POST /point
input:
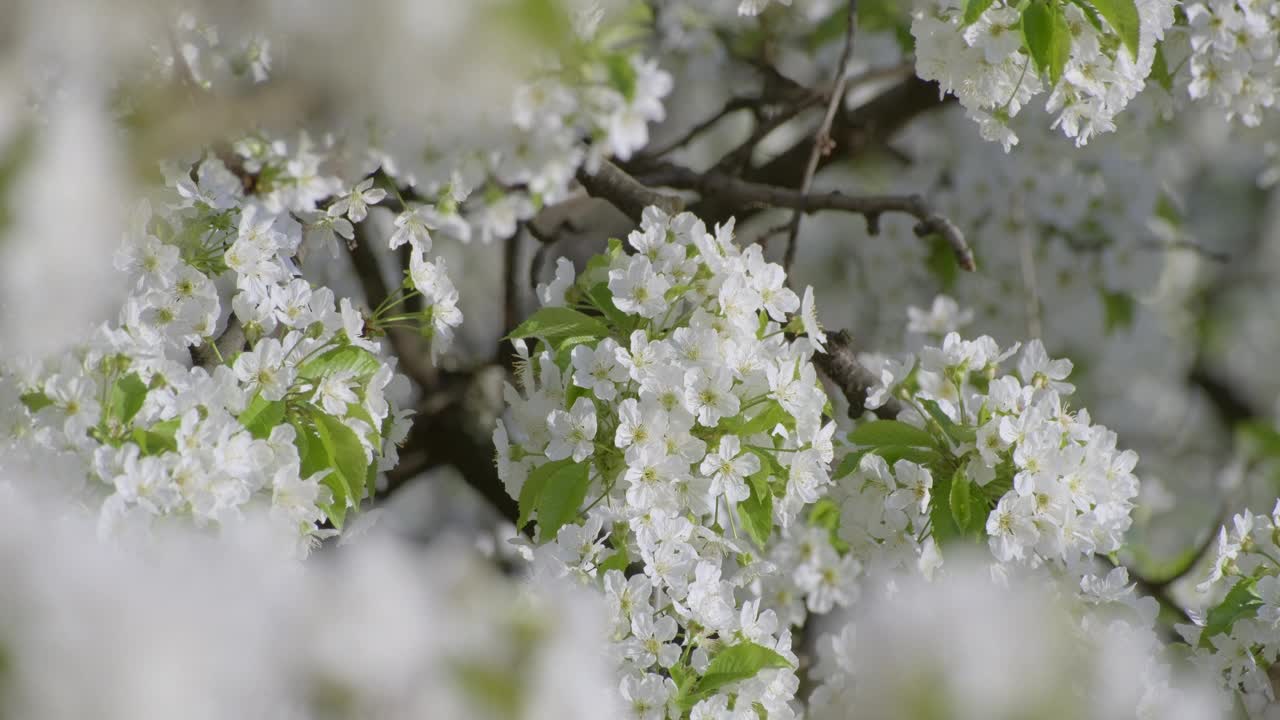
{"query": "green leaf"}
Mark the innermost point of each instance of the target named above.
(326, 443)
(1122, 16)
(1167, 210)
(941, 262)
(941, 521)
(1090, 14)
(359, 361)
(973, 10)
(1047, 37)
(622, 76)
(35, 401)
(531, 491)
(554, 324)
(1242, 601)
(756, 513)
(826, 514)
(917, 455)
(159, 438)
(769, 465)
(1258, 439)
(127, 395)
(603, 299)
(961, 509)
(735, 663)
(561, 497)
(771, 415)
(880, 433)
(949, 426)
(315, 458)
(848, 464)
(1160, 70)
(345, 451)
(619, 560)
(1118, 308)
(262, 415)
(551, 491)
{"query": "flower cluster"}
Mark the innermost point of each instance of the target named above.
(1235, 56)
(657, 439)
(595, 89)
(1238, 638)
(183, 410)
(1092, 59)
(977, 453)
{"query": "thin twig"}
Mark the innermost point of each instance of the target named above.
(822, 144)
(511, 298)
(413, 361)
(225, 346)
(731, 106)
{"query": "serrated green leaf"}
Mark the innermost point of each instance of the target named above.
(561, 497)
(941, 521)
(1242, 601)
(262, 415)
(961, 509)
(733, 664)
(1047, 37)
(346, 452)
(881, 433)
(360, 362)
(531, 493)
(314, 458)
(756, 513)
(973, 10)
(1122, 16)
(555, 324)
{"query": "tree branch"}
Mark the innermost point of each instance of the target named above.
(840, 364)
(728, 191)
(625, 193)
(455, 433)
